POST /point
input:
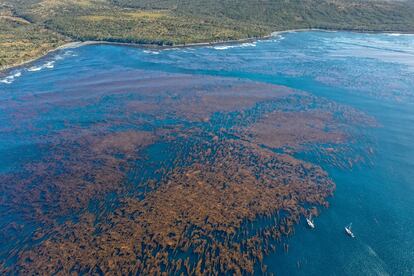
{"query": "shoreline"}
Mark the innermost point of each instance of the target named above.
(76, 44)
(68, 45)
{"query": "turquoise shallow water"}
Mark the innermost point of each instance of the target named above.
(371, 72)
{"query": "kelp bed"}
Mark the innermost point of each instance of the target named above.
(139, 172)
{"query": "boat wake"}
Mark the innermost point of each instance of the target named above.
(366, 261)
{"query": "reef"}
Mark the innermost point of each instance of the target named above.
(172, 176)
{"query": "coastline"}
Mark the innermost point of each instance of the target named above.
(68, 45)
(75, 44)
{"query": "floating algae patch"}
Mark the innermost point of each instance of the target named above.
(160, 172)
(206, 197)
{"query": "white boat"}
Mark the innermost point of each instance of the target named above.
(348, 230)
(310, 223)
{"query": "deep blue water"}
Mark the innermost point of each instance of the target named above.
(373, 73)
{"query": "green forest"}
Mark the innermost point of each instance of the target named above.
(29, 28)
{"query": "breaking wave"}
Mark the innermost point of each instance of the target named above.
(47, 65)
(398, 34)
(243, 45)
(35, 68)
(11, 78)
(152, 52)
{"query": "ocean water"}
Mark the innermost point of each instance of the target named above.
(373, 73)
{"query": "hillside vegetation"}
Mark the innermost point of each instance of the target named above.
(30, 27)
(21, 40)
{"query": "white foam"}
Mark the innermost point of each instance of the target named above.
(279, 37)
(274, 38)
(10, 79)
(68, 53)
(243, 45)
(34, 68)
(59, 57)
(252, 44)
(6, 81)
(398, 34)
(47, 65)
(222, 47)
(151, 52)
(395, 34)
(50, 64)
